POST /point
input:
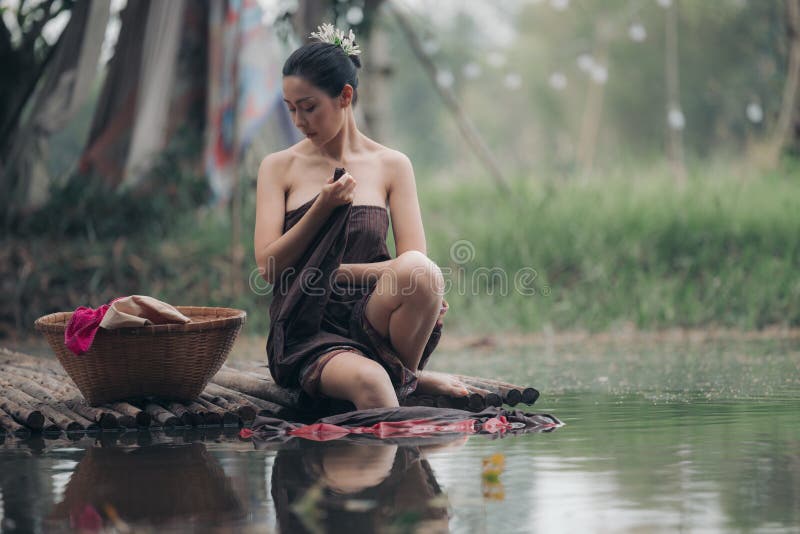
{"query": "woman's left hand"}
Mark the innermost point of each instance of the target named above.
(442, 312)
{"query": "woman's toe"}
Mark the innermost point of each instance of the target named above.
(459, 390)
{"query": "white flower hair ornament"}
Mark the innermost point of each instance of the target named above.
(327, 33)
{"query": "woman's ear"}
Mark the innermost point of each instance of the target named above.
(346, 96)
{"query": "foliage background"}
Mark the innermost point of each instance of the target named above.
(622, 244)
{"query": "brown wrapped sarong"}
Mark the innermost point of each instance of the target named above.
(312, 319)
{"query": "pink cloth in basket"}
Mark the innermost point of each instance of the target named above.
(134, 310)
(82, 327)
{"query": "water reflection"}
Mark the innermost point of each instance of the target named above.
(23, 488)
(157, 485)
(703, 441)
(346, 486)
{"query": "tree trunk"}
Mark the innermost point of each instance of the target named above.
(375, 79)
(672, 77)
(787, 129)
(309, 15)
(465, 125)
(593, 109)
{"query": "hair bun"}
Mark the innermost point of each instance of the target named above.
(356, 60)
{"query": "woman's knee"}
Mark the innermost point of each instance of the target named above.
(354, 377)
(418, 276)
(373, 387)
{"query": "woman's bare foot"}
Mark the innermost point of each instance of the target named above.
(433, 383)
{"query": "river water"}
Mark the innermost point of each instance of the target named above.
(660, 435)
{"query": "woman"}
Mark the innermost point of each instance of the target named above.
(364, 335)
(395, 479)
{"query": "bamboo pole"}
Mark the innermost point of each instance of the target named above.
(63, 390)
(475, 402)
(493, 399)
(73, 399)
(20, 411)
(41, 377)
(489, 398)
(40, 365)
(65, 419)
(45, 397)
(61, 420)
(161, 415)
(57, 420)
(509, 395)
(208, 417)
(260, 405)
(10, 426)
(69, 395)
(197, 419)
(528, 395)
(246, 412)
(459, 403)
(105, 419)
(259, 387)
(123, 421)
(76, 417)
(228, 418)
(143, 419)
(182, 412)
(51, 427)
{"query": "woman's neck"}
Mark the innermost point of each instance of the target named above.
(348, 141)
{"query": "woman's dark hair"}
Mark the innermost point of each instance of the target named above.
(326, 66)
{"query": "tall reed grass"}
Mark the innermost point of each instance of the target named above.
(631, 249)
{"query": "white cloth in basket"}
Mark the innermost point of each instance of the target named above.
(140, 310)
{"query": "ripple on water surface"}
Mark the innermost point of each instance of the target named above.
(662, 437)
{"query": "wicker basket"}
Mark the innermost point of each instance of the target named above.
(173, 361)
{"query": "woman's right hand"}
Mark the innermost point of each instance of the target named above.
(335, 194)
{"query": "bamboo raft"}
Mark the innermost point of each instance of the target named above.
(36, 395)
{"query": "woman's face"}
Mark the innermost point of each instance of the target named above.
(318, 116)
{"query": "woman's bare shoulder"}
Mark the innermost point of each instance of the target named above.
(393, 161)
(396, 166)
(278, 166)
(276, 162)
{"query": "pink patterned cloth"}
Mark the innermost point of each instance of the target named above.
(82, 327)
(401, 422)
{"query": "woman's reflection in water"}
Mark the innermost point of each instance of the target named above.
(358, 485)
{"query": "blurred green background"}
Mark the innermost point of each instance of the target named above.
(632, 163)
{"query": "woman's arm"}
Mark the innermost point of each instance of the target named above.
(404, 207)
(275, 251)
(361, 274)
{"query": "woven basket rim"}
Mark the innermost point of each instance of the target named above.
(218, 317)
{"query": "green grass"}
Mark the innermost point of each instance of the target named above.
(629, 249)
(625, 249)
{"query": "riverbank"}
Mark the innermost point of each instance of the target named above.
(251, 346)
